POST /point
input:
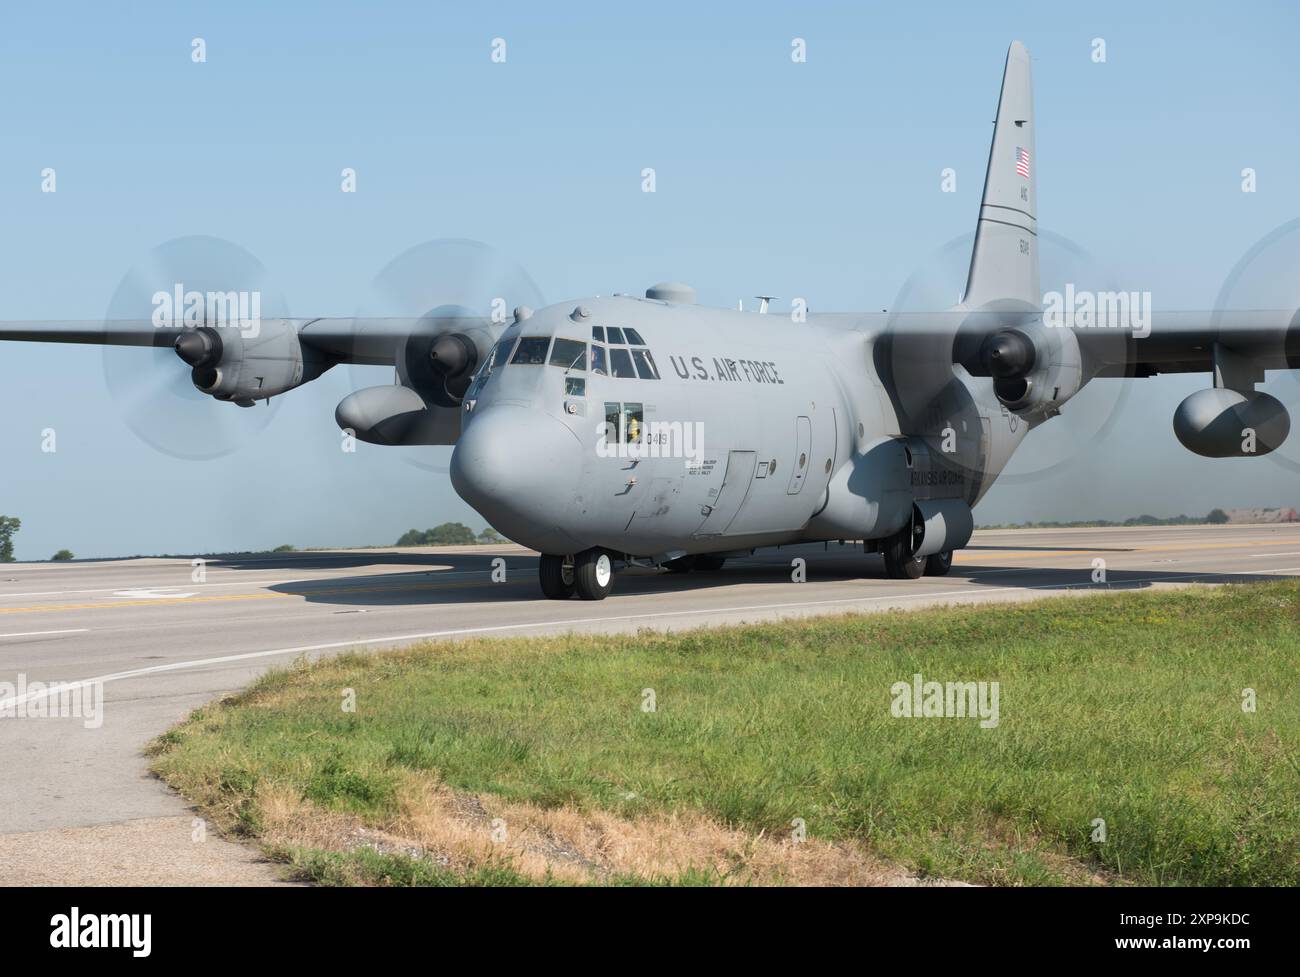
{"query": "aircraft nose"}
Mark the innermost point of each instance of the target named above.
(519, 469)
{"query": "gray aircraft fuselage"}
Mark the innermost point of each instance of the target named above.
(756, 420)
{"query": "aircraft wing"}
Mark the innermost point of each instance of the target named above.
(1184, 342)
(349, 339)
(1159, 342)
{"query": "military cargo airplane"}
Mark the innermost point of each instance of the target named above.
(652, 431)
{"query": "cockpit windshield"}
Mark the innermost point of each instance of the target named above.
(531, 351)
(570, 354)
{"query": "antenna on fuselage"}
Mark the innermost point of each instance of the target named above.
(762, 303)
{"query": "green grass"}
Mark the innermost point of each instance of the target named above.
(1121, 707)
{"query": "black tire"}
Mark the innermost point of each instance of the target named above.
(709, 564)
(593, 574)
(938, 564)
(683, 564)
(900, 564)
(556, 577)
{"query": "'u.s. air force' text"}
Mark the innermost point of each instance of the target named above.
(726, 369)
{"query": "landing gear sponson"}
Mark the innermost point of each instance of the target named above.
(926, 543)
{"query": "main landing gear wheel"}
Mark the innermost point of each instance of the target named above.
(593, 574)
(709, 564)
(557, 576)
(938, 564)
(900, 564)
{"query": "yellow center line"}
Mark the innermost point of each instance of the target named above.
(968, 555)
(266, 595)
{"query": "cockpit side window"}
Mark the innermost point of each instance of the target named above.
(645, 364)
(532, 350)
(598, 333)
(496, 360)
(569, 354)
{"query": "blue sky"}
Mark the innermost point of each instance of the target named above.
(819, 179)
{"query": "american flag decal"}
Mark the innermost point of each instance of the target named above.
(1022, 162)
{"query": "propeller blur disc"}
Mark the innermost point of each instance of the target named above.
(151, 386)
(1085, 420)
(437, 278)
(1267, 277)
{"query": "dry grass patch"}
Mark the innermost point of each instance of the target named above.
(465, 833)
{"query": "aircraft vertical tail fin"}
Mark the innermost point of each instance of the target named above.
(1004, 261)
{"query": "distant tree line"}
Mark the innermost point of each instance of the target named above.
(448, 534)
(9, 525)
(1215, 517)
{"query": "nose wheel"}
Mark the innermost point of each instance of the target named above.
(593, 574)
(589, 574)
(556, 576)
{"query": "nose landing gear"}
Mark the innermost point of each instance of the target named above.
(556, 576)
(589, 574)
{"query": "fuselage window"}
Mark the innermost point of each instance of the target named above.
(614, 334)
(645, 364)
(598, 333)
(633, 337)
(598, 361)
(569, 354)
(612, 422)
(620, 363)
(532, 350)
(633, 422)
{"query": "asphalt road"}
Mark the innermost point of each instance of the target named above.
(79, 805)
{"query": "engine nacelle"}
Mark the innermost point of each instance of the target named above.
(1034, 369)
(245, 365)
(440, 364)
(1222, 423)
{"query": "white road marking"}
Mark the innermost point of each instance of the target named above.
(247, 582)
(28, 634)
(150, 594)
(358, 642)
